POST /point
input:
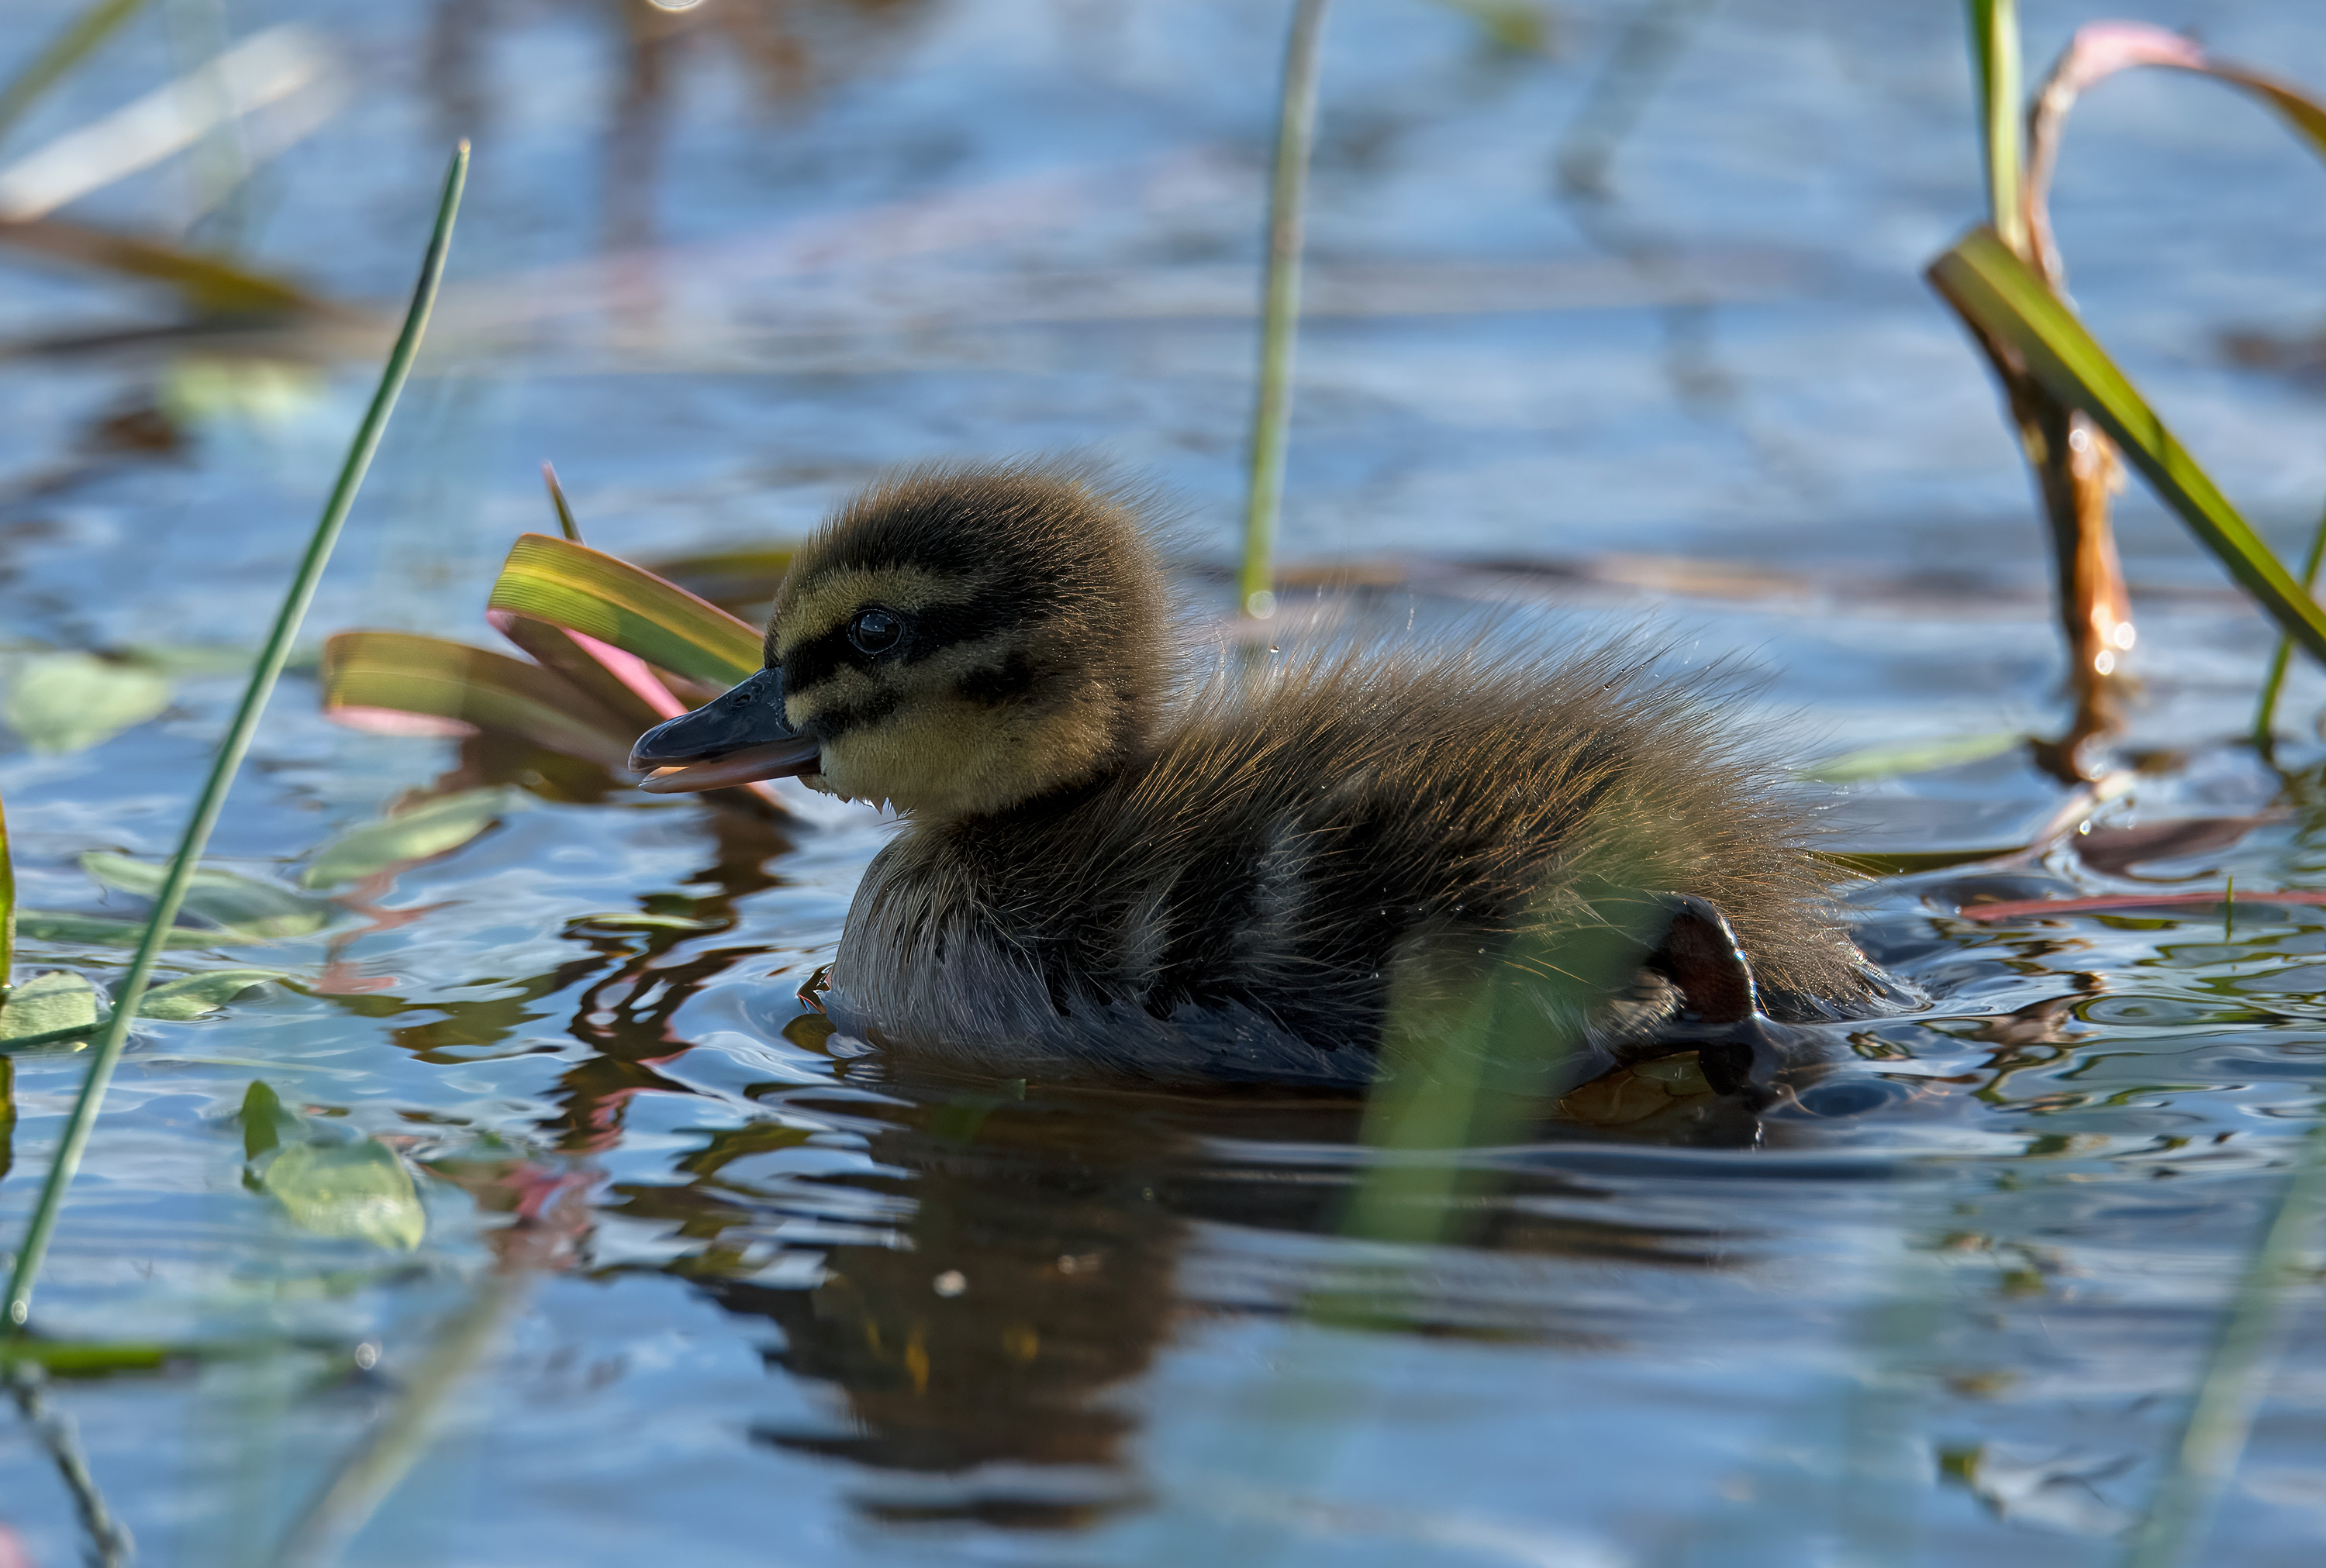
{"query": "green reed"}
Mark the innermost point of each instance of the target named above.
(1272, 415)
(2213, 1432)
(212, 802)
(81, 37)
(2266, 712)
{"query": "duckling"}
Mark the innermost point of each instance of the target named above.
(1103, 865)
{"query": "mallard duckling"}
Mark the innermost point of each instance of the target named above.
(1255, 876)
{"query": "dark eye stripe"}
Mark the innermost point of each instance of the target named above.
(927, 634)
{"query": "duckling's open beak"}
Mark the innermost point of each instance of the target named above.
(734, 739)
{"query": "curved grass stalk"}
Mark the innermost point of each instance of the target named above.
(2213, 1435)
(2266, 712)
(212, 799)
(1272, 415)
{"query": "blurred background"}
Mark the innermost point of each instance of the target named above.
(1613, 311)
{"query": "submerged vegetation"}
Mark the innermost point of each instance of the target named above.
(610, 647)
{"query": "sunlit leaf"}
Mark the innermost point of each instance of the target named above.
(57, 1000)
(95, 931)
(242, 906)
(404, 672)
(2004, 298)
(359, 1191)
(8, 905)
(429, 828)
(198, 387)
(572, 586)
(197, 996)
(68, 702)
(633, 694)
(1912, 757)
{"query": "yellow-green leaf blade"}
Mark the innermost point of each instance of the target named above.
(432, 828)
(585, 590)
(2002, 296)
(67, 702)
(405, 672)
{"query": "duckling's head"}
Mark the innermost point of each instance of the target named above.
(956, 640)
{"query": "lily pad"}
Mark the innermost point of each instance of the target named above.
(431, 828)
(359, 1191)
(58, 999)
(68, 702)
(196, 995)
(96, 930)
(244, 905)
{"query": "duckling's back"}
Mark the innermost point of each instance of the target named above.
(1306, 851)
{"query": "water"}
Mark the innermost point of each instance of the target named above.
(778, 1306)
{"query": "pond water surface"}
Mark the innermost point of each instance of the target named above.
(691, 1284)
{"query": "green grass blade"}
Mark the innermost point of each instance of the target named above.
(565, 524)
(1271, 417)
(2266, 712)
(2001, 296)
(585, 590)
(2213, 1434)
(231, 749)
(1995, 71)
(82, 38)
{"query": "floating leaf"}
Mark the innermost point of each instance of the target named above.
(264, 1119)
(405, 673)
(623, 920)
(583, 590)
(57, 1000)
(243, 906)
(359, 1191)
(430, 828)
(2003, 298)
(210, 286)
(67, 702)
(87, 1357)
(198, 994)
(1912, 757)
(95, 931)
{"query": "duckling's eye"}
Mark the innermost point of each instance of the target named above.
(876, 630)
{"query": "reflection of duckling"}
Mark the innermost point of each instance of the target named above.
(1253, 878)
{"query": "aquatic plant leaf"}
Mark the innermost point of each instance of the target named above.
(62, 703)
(264, 1119)
(1912, 757)
(241, 905)
(58, 999)
(209, 286)
(631, 693)
(198, 996)
(88, 1358)
(359, 1191)
(625, 920)
(81, 38)
(365, 674)
(95, 931)
(429, 828)
(730, 578)
(2002, 296)
(582, 590)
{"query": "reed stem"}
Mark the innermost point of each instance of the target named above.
(1271, 416)
(2213, 1435)
(1995, 64)
(2265, 713)
(230, 752)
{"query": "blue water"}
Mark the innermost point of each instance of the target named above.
(1956, 1324)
